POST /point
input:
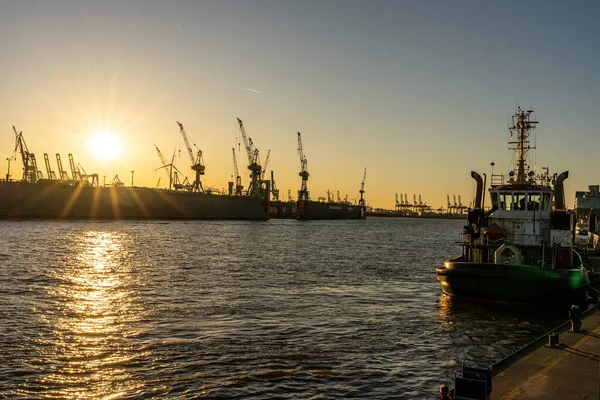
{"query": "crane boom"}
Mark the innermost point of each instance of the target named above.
(74, 170)
(30, 172)
(266, 164)
(163, 160)
(63, 174)
(247, 144)
(254, 189)
(164, 163)
(197, 162)
(187, 142)
(362, 188)
(303, 192)
(51, 174)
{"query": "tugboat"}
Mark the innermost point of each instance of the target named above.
(520, 252)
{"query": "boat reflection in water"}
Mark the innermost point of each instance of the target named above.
(88, 348)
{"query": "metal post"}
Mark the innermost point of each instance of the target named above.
(8, 172)
(132, 177)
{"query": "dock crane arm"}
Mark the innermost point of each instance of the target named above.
(248, 145)
(266, 164)
(197, 162)
(303, 192)
(235, 166)
(187, 143)
(362, 188)
(163, 160)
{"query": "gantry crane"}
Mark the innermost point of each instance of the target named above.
(51, 174)
(361, 202)
(197, 162)
(75, 173)
(30, 171)
(86, 177)
(238, 179)
(253, 163)
(303, 192)
(62, 173)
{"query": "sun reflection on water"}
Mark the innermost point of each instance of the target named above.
(95, 320)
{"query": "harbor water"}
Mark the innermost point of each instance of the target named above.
(239, 310)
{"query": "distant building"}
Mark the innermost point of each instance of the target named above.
(585, 202)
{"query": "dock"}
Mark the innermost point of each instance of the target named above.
(570, 370)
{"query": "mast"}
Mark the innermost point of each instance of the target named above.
(520, 132)
(303, 192)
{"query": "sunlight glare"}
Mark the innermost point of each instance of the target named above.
(104, 145)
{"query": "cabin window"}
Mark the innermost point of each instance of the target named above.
(519, 201)
(494, 197)
(533, 201)
(546, 201)
(506, 201)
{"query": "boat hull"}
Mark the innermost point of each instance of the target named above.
(55, 201)
(512, 284)
(316, 210)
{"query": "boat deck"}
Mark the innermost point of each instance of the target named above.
(567, 371)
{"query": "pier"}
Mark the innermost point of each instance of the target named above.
(566, 371)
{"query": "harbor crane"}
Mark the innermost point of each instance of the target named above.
(361, 202)
(266, 164)
(274, 189)
(238, 179)
(172, 171)
(75, 173)
(63, 174)
(197, 162)
(303, 192)
(164, 163)
(51, 174)
(86, 177)
(254, 189)
(30, 171)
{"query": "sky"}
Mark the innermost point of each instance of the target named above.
(418, 92)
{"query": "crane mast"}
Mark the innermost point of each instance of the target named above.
(274, 188)
(74, 170)
(51, 174)
(63, 174)
(303, 192)
(197, 162)
(30, 172)
(253, 163)
(361, 202)
(238, 179)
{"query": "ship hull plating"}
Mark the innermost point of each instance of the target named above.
(55, 201)
(512, 284)
(312, 210)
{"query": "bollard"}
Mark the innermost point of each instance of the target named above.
(553, 339)
(575, 317)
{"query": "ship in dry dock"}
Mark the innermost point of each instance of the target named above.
(79, 196)
(308, 209)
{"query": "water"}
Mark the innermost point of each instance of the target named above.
(279, 309)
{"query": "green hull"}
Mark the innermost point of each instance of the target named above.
(512, 284)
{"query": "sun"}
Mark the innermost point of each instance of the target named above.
(105, 146)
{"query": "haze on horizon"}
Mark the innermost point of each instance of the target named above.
(420, 93)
